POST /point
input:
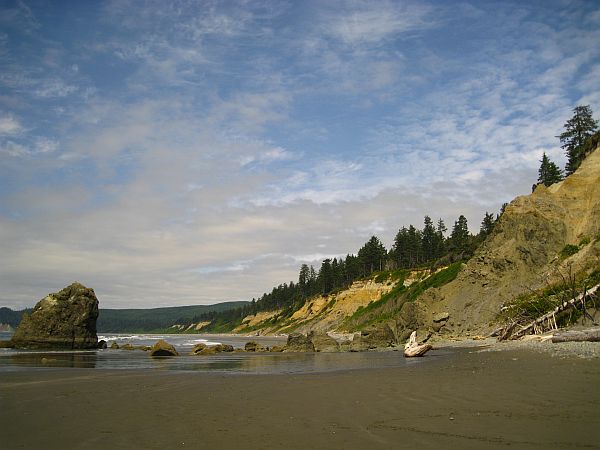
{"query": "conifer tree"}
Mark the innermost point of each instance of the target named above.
(549, 173)
(460, 235)
(372, 255)
(428, 240)
(578, 129)
(487, 225)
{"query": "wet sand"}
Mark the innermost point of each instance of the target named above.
(509, 399)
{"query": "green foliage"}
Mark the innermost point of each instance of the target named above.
(487, 225)
(549, 173)
(577, 139)
(569, 250)
(584, 241)
(436, 280)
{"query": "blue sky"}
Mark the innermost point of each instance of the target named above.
(171, 153)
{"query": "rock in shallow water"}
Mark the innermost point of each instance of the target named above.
(163, 348)
(63, 320)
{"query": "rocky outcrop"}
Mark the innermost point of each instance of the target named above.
(63, 320)
(253, 346)
(380, 336)
(298, 342)
(163, 348)
(323, 343)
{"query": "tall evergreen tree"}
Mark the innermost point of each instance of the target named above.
(428, 240)
(460, 235)
(578, 129)
(372, 255)
(549, 173)
(325, 278)
(487, 225)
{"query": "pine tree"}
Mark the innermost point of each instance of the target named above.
(440, 238)
(460, 235)
(325, 278)
(577, 130)
(372, 255)
(428, 240)
(487, 225)
(549, 173)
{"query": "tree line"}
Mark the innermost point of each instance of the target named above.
(412, 248)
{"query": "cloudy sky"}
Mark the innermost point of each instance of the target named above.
(173, 153)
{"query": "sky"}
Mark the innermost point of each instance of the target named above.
(174, 153)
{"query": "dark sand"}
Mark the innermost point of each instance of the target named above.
(512, 399)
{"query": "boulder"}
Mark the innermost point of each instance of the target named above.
(127, 346)
(323, 342)
(62, 320)
(276, 349)
(114, 346)
(212, 350)
(203, 349)
(298, 342)
(224, 348)
(253, 346)
(378, 336)
(102, 345)
(198, 348)
(439, 320)
(163, 348)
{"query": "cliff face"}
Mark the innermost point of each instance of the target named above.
(321, 313)
(523, 253)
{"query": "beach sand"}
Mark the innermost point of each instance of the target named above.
(471, 400)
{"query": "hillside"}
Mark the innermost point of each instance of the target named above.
(549, 239)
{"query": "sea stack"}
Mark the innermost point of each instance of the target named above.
(63, 320)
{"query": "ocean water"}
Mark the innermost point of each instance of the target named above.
(225, 363)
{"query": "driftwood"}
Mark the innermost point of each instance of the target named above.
(412, 348)
(548, 320)
(591, 335)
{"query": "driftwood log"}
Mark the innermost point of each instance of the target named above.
(412, 347)
(548, 320)
(591, 335)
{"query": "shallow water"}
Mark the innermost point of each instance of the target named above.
(231, 363)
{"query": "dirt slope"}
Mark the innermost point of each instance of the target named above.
(523, 253)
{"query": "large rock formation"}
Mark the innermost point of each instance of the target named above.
(323, 343)
(163, 348)
(298, 342)
(522, 253)
(63, 320)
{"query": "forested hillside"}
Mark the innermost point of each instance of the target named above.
(135, 320)
(427, 248)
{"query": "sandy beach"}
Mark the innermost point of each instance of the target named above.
(472, 400)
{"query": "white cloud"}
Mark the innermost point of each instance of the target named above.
(371, 22)
(9, 126)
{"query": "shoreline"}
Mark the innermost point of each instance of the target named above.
(474, 399)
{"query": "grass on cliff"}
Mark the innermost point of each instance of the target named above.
(388, 306)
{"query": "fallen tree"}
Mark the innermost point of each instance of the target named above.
(548, 320)
(591, 335)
